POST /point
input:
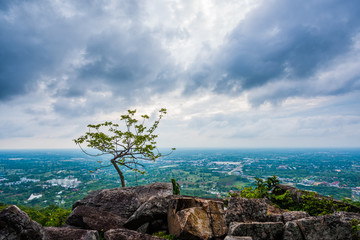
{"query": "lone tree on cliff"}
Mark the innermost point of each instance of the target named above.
(135, 143)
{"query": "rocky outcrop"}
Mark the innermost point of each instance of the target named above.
(328, 227)
(257, 230)
(246, 210)
(151, 216)
(56, 233)
(297, 194)
(151, 208)
(196, 218)
(110, 208)
(16, 224)
(126, 234)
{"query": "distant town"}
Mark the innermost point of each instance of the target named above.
(39, 179)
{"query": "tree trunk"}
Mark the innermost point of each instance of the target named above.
(119, 172)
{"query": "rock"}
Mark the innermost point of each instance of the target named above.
(151, 214)
(246, 210)
(145, 228)
(292, 232)
(328, 227)
(275, 218)
(271, 209)
(191, 223)
(237, 238)
(93, 218)
(16, 224)
(348, 216)
(196, 218)
(287, 216)
(257, 230)
(294, 215)
(126, 234)
(110, 208)
(56, 233)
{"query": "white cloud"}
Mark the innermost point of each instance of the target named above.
(231, 73)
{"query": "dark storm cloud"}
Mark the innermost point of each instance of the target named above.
(34, 43)
(116, 52)
(78, 48)
(289, 40)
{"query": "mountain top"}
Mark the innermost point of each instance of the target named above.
(142, 212)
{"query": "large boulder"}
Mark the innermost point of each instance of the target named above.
(151, 216)
(196, 218)
(126, 234)
(57, 233)
(257, 230)
(16, 224)
(110, 208)
(328, 227)
(246, 210)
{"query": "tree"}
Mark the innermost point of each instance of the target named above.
(128, 147)
(176, 187)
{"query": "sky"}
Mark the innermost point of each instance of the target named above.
(231, 74)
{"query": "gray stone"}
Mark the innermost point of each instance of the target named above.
(287, 216)
(257, 230)
(292, 232)
(145, 228)
(328, 227)
(93, 218)
(16, 224)
(275, 218)
(294, 215)
(110, 208)
(348, 216)
(196, 218)
(126, 234)
(246, 210)
(57, 233)
(153, 212)
(237, 238)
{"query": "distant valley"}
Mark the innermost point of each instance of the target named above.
(60, 177)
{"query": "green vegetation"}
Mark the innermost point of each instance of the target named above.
(262, 189)
(310, 202)
(176, 187)
(51, 216)
(127, 147)
(165, 235)
(355, 228)
(51, 174)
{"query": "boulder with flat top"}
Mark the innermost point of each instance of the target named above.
(110, 208)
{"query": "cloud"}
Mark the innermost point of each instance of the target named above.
(231, 73)
(80, 50)
(285, 41)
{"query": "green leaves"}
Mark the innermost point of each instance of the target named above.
(262, 189)
(134, 141)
